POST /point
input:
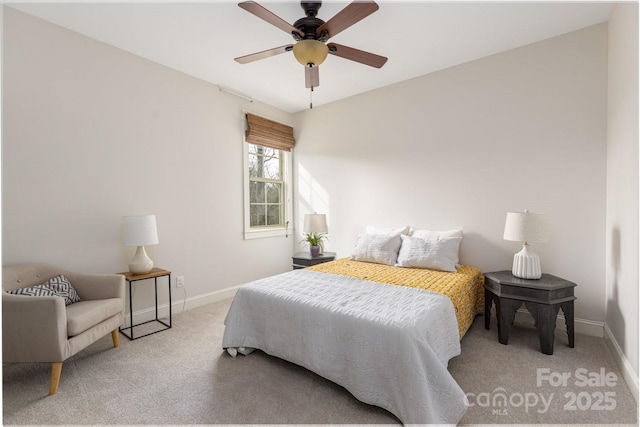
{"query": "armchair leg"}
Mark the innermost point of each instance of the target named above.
(56, 370)
(115, 337)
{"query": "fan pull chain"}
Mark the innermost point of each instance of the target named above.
(311, 98)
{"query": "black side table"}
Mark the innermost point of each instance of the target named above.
(543, 298)
(153, 274)
(304, 259)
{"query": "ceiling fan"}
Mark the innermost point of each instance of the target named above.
(311, 33)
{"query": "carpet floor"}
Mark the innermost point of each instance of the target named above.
(182, 376)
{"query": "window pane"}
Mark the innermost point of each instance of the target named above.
(253, 166)
(257, 215)
(273, 192)
(256, 192)
(265, 163)
(273, 215)
(271, 167)
(270, 152)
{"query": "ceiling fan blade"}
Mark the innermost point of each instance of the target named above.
(357, 55)
(311, 77)
(266, 15)
(264, 54)
(348, 16)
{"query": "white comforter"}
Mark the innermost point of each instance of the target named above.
(388, 345)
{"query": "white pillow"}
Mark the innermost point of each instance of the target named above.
(377, 248)
(433, 234)
(388, 231)
(434, 254)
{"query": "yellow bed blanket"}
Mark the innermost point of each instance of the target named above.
(465, 288)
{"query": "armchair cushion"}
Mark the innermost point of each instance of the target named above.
(86, 314)
(58, 286)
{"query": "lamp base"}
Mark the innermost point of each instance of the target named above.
(526, 264)
(140, 263)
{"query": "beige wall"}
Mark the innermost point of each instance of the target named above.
(622, 184)
(524, 129)
(92, 133)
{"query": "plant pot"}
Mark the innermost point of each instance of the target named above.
(315, 251)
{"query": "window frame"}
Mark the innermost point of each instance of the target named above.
(287, 193)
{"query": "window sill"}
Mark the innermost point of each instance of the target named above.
(265, 233)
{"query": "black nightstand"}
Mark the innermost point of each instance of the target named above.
(304, 259)
(543, 298)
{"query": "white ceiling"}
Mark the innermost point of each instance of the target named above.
(202, 38)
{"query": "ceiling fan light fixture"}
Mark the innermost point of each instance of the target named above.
(310, 52)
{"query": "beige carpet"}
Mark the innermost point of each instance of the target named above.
(182, 376)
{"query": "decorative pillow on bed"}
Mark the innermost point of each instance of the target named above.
(58, 286)
(388, 231)
(434, 234)
(377, 248)
(434, 254)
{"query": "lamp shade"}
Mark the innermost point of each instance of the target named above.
(310, 52)
(315, 223)
(139, 230)
(526, 227)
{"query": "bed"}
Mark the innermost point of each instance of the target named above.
(384, 333)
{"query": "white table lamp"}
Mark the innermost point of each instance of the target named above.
(526, 227)
(139, 231)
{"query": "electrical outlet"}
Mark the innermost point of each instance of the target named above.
(179, 281)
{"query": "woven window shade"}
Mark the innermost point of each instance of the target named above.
(268, 133)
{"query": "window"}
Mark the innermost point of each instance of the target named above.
(266, 187)
(267, 168)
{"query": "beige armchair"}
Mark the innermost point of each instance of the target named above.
(43, 329)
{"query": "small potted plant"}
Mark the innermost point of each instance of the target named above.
(315, 230)
(315, 242)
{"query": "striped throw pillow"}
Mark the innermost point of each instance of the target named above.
(58, 286)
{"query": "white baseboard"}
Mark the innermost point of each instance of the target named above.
(581, 326)
(209, 297)
(627, 370)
